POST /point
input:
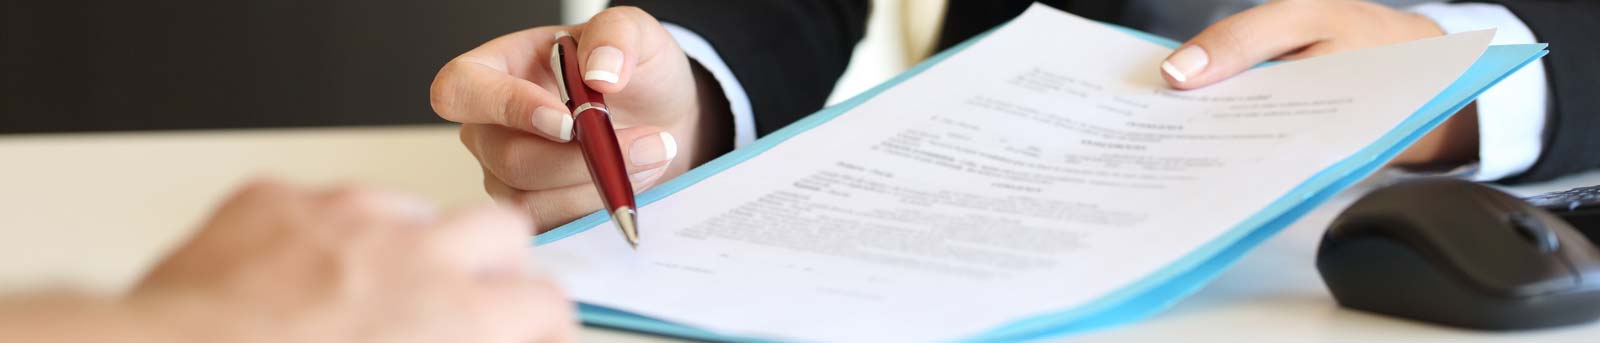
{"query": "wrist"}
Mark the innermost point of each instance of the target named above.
(179, 318)
(77, 317)
(1453, 143)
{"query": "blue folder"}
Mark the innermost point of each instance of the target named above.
(1142, 298)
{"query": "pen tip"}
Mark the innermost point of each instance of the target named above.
(626, 220)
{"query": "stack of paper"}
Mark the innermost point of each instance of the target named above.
(1038, 181)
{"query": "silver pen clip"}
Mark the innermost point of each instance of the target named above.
(555, 67)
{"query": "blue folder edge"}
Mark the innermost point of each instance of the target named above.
(1142, 298)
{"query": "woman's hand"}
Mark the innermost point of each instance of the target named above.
(515, 124)
(280, 264)
(1295, 29)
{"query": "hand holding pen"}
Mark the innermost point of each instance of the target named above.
(519, 129)
(595, 137)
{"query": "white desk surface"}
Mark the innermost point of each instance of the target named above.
(93, 211)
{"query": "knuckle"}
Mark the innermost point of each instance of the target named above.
(633, 12)
(498, 155)
(261, 185)
(356, 200)
(512, 103)
(513, 166)
(619, 17)
(616, 12)
(521, 162)
(260, 189)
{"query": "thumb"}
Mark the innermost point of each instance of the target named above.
(612, 43)
(1239, 42)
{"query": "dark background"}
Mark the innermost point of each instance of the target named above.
(116, 65)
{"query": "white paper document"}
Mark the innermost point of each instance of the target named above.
(1040, 169)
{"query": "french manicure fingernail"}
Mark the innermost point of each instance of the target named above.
(1186, 63)
(604, 64)
(644, 175)
(554, 124)
(653, 149)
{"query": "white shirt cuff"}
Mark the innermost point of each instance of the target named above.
(697, 48)
(1511, 115)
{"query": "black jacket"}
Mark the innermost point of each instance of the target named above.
(789, 53)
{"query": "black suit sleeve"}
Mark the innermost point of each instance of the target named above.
(1572, 128)
(786, 53)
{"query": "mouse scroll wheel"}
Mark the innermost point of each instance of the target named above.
(1534, 231)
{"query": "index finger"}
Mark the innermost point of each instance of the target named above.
(504, 82)
(1243, 40)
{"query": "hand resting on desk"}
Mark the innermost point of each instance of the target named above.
(281, 264)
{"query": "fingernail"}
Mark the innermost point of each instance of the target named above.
(1185, 63)
(604, 64)
(653, 149)
(645, 175)
(554, 124)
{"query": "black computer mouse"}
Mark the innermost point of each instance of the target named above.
(1459, 253)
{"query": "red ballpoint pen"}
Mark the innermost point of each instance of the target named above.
(592, 129)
